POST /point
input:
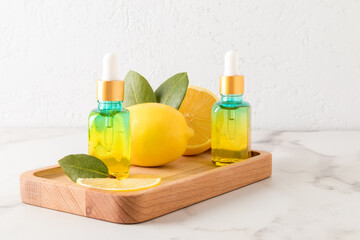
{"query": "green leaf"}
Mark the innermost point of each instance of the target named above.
(172, 91)
(137, 90)
(83, 166)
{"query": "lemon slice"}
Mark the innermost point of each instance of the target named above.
(124, 185)
(196, 108)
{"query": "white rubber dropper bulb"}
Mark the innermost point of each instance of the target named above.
(110, 67)
(231, 64)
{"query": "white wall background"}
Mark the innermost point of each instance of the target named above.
(301, 59)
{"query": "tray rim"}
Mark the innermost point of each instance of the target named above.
(31, 175)
(139, 206)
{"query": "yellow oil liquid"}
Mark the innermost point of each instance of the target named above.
(230, 131)
(109, 139)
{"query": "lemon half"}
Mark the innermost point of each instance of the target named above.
(196, 109)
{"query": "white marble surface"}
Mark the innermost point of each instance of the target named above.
(314, 193)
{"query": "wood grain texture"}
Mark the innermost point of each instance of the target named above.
(184, 182)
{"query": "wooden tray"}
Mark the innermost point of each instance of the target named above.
(184, 182)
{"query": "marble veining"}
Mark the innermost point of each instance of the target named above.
(314, 192)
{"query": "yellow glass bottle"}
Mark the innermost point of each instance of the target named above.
(109, 124)
(231, 118)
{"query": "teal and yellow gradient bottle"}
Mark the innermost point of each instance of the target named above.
(109, 123)
(230, 118)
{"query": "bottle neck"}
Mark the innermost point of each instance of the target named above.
(109, 105)
(232, 97)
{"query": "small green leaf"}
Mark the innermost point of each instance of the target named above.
(172, 91)
(137, 90)
(83, 166)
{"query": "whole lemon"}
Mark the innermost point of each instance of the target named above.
(159, 134)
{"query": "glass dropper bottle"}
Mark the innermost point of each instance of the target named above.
(231, 120)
